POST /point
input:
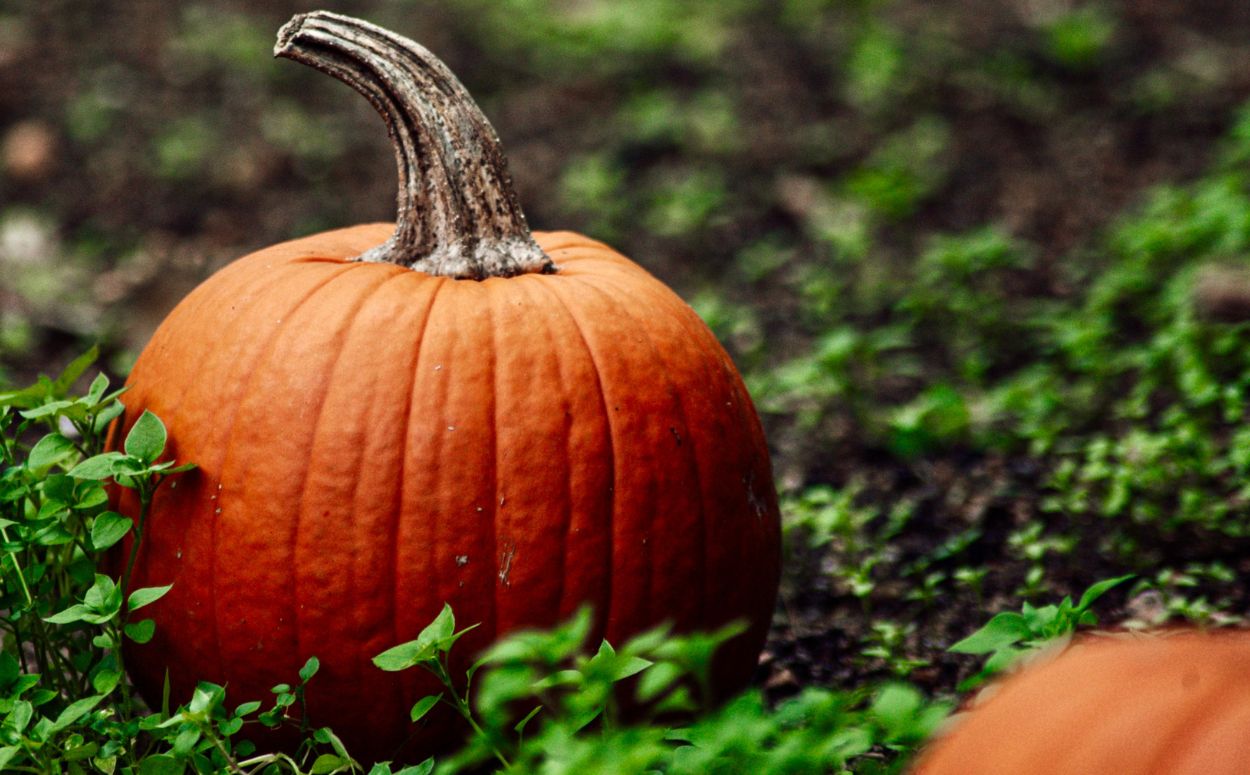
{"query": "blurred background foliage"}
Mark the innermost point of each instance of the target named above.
(983, 263)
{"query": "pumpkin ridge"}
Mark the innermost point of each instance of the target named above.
(351, 316)
(493, 438)
(681, 416)
(721, 367)
(603, 615)
(264, 352)
(761, 495)
(174, 409)
(175, 415)
(400, 509)
(527, 288)
(395, 687)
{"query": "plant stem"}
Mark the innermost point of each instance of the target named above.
(457, 214)
(461, 704)
(231, 764)
(18, 567)
(145, 504)
(119, 629)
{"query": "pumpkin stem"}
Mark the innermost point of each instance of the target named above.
(457, 214)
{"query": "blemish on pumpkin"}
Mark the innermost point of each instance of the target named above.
(451, 427)
(676, 435)
(462, 559)
(758, 504)
(505, 564)
(438, 367)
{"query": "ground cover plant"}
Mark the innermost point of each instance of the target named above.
(983, 267)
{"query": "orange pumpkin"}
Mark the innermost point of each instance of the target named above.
(460, 413)
(1134, 705)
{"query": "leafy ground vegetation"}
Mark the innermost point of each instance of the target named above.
(983, 263)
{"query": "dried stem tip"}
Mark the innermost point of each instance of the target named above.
(457, 215)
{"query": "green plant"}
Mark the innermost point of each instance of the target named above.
(886, 641)
(1080, 37)
(854, 533)
(1009, 635)
(542, 701)
(71, 614)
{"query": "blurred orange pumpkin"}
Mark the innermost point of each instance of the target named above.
(1169, 704)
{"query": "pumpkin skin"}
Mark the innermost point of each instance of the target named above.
(373, 442)
(1175, 704)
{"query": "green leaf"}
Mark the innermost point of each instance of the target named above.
(896, 705)
(74, 711)
(1098, 590)
(438, 635)
(631, 666)
(105, 764)
(104, 597)
(68, 408)
(146, 440)
(7, 754)
(309, 669)
(106, 681)
(78, 753)
(334, 741)
(70, 374)
(424, 706)
(107, 415)
(404, 656)
(146, 596)
(206, 696)
(99, 467)
(109, 528)
(75, 613)
(1003, 630)
(161, 764)
(9, 669)
(21, 715)
(141, 631)
(657, 680)
(88, 495)
(327, 763)
(185, 740)
(96, 391)
(49, 451)
(424, 768)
